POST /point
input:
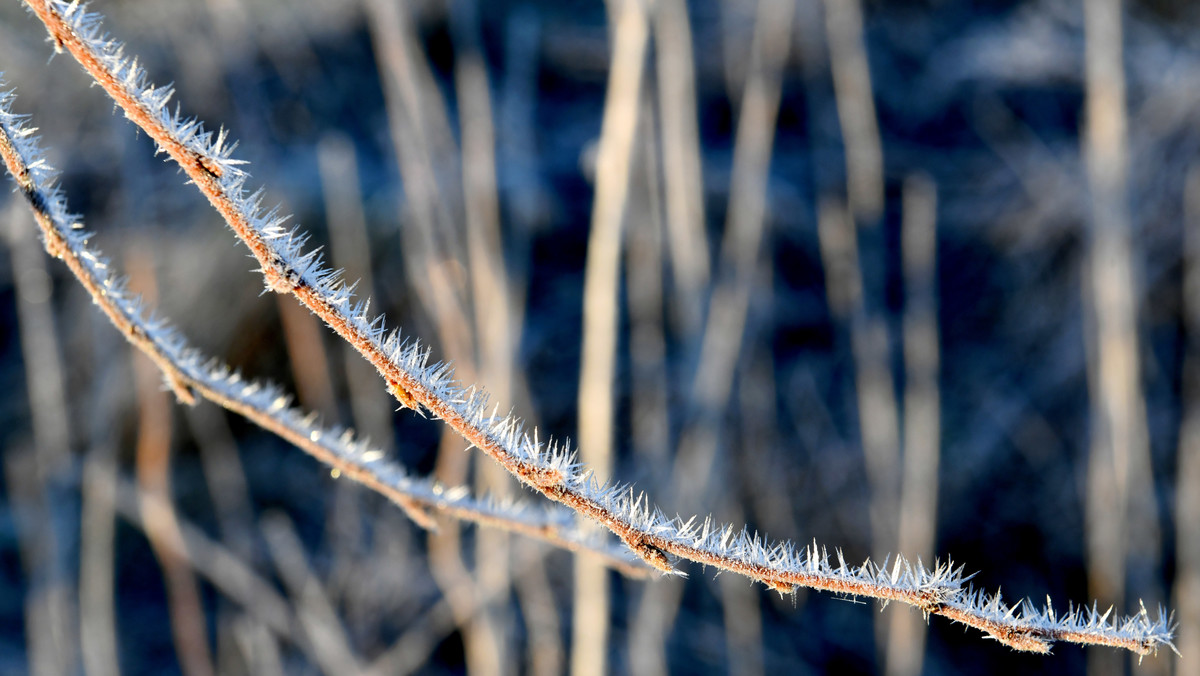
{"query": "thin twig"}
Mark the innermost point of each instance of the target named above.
(190, 374)
(161, 525)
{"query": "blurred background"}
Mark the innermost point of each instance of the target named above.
(912, 276)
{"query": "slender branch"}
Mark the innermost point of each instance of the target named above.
(551, 468)
(189, 374)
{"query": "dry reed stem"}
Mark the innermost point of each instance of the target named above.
(48, 608)
(922, 425)
(878, 417)
(681, 159)
(419, 128)
(350, 250)
(642, 527)
(855, 108)
(1123, 540)
(601, 290)
(698, 457)
(497, 335)
(97, 560)
(1122, 532)
(50, 648)
(153, 461)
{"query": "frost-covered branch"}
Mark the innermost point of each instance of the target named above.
(189, 373)
(549, 468)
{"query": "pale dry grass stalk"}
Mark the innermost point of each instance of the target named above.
(97, 540)
(845, 225)
(683, 184)
(878, 415)
(922, 424)
(257, 646)
(1123, 540)
(350, 250)
(97, 598)
(746, 629)
(49, 610)
(153, 461)
(870, 339)
(301, 333)
(496, 326)
(741, 255)
(874, 385)
(550, 470)
(615, 155)
(697, 463)
(437, 266)
(743, 623)
(855, 108)
(650, 425)
(645, 273)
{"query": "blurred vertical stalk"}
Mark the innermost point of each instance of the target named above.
(741, 261)
(878, 417)
(743, 619)
(39, 345)
(614, 162)
(849, 292)
(922, 433)
(423, 147)
(724, 331)
(350, 250)
(434, 250)
(417, 117)
(515, 148)
(188, 622)
(683, 179)
(50, 613)
(1187, 492)
(370, 405)
(307, 356)
(98, 525)
(496, 328)
(644, 276)
(258, 646)
(856, 108)
(649, 380)
(228, 490)
(1122, 527)
(742, 603)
